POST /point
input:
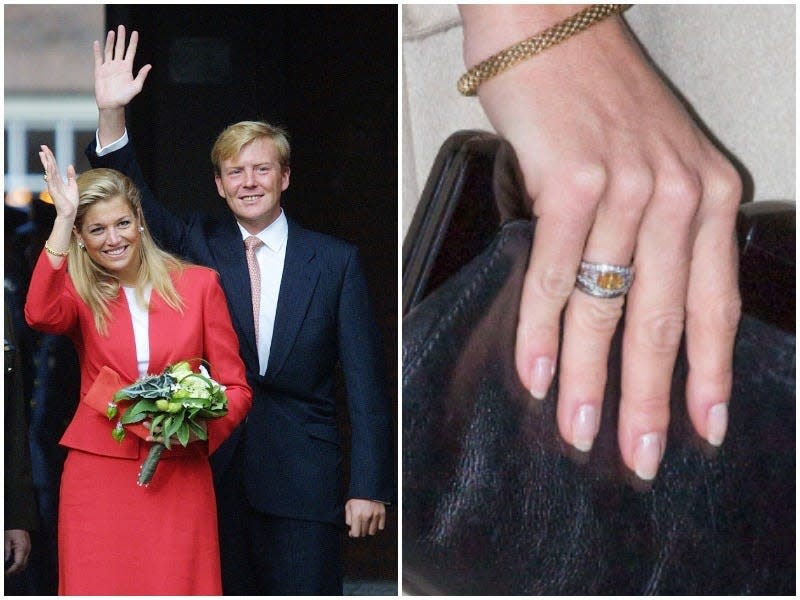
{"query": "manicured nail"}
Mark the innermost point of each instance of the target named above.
(584, 427)
(717, 423)
(541, 377)
(647, 456)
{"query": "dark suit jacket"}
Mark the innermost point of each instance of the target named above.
(292, 451)
(20, 497)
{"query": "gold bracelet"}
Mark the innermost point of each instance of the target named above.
(55, 252)
(494, 65)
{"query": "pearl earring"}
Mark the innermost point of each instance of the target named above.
(141, 229)
(80, 245)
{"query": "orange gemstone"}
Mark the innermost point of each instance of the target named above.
(610, 281)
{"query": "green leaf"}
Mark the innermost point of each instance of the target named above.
(142, 406)
(157, 420)
(183, 434)
(172, 425)
(199, 432)
(129, 417)
(167, 423)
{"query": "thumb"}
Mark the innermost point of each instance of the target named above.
(142, 75)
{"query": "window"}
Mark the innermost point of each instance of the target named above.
(65, 123)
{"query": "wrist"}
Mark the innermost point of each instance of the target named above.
(599, 26)
(110, 124)
(63, 222)
(488, 29)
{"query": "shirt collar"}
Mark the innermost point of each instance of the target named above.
(274, 235)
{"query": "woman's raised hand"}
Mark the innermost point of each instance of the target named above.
(63, 193)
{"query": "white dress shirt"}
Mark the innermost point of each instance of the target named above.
(270, 257)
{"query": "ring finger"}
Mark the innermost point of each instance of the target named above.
(589, 321)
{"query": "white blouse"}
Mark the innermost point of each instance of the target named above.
(139, 318)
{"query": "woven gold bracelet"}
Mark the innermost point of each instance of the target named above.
(55, 252)
(494, 65)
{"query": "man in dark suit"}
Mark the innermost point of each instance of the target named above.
(300, 307)
(20, 500)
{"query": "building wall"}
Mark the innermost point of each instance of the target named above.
(52, 39)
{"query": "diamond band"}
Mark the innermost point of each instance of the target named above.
(603, 280)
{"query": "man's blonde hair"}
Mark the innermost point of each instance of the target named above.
(230, 142)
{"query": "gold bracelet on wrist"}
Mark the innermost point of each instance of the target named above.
(55, 252)
(470, 81)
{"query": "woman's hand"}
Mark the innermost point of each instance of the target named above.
(618, 173)
(63, 193)
(155, 435)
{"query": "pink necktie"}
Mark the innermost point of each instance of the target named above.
(251, 243)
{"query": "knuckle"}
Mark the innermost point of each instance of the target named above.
(634, 184)
(721, 314)
(650, 411)
(554, 284)
(535, 334)
(661, 333)
(601, 316)
(586, 181)
(724, 188)
(682, 188)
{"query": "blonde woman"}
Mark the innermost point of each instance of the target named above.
(130, 309)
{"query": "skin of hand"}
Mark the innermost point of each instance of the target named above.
(364, 517)
(18, 541)
(65, 199)
(618, 172)
(114, 83)
(174, 438)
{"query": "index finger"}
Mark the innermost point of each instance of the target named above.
(561, 232)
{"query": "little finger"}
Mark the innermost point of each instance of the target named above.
(561, 231)
(713, 306)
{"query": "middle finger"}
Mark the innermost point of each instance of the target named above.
(654, 319)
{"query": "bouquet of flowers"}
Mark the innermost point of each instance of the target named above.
(177, 402)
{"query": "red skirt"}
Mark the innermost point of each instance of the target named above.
(118, 538)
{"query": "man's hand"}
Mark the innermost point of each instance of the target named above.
(618, 173)
(18, 544)
(364, 517)
(114, 83)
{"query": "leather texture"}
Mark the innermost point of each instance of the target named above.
(494, 502)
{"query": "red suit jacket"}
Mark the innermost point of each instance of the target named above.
(108, 362)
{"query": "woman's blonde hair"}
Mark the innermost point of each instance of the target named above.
(97, 286)
(230, 142)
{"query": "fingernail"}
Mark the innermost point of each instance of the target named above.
(584, 427)
(542, 374)
(647, 456)
(717, 423)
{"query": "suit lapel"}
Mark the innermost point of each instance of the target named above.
(300, 275)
